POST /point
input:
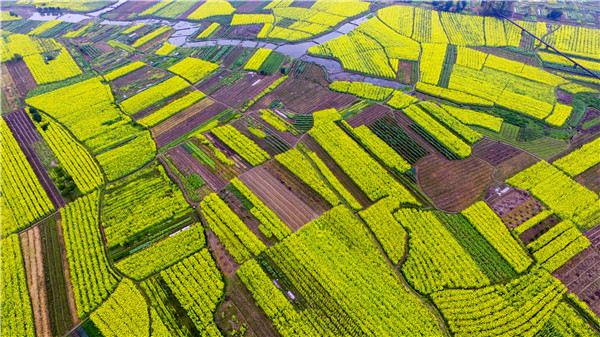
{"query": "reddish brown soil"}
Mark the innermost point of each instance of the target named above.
(285, 204)
(404, 68)
(242, 32)
(494, 152)
(564, 97)
(243, 90)
(590, 178)
(185, 121)
(369, 115)
(248, 7)
(224, 260)
(125, 10)
(186, 162)
(522, 212)
(10, 91)
(31, 245)
(516, 164)
(538, 230)
(232, 56)
(293, 95)
(24, 131)
(581, 275)
(310, 72)
(453, 185)
(594, 236)
(104, 47)
(504, 199)
(211, 85)
(21, 76)
(296, 186)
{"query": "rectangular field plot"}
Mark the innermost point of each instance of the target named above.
(142, 208)
(581, 275)
(186, 121)
(236, 94)
(293, 95)
(286, 205)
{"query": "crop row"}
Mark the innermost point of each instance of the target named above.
(150, 36)
(447, 138)
(198, 286)
(565, 197)
(338, 274)
(23, 198)
(581, 159)
(379, 148)
(92, 279)
(241, 144)
(271, 225)
(362, 89)
(271, 300)
(16, 315)
(125, 313)
(439, 113)
(164, 253)
(388, 231)
(119, 146)
(153, 95)
(519, 308)
(481, 216)
(555, 247)
(122, 71)
(126, 214)
(435, 260)
(239, 241)
(76, 160)
(473, 117)
(368, 175)
(193, 69)
(59, 68)
(172, 108)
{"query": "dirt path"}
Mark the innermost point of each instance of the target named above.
(34, 265)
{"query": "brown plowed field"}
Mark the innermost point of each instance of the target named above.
(248, 88)
(305, 97)
(288, 207)
(186, 162)
(494, 152)
(309, 71)
(21, 76)
(581, 275)
(453, 185)
(186, 121)
(24, 131)
(594, 236)
(224, 260)
(125, 10)
(31, 245)
(369, 115)
(515, 165)
(296, 186)
(590, 178)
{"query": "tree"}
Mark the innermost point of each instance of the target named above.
(496, 8)
(555, 14)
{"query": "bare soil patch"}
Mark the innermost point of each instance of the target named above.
(453, 185)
